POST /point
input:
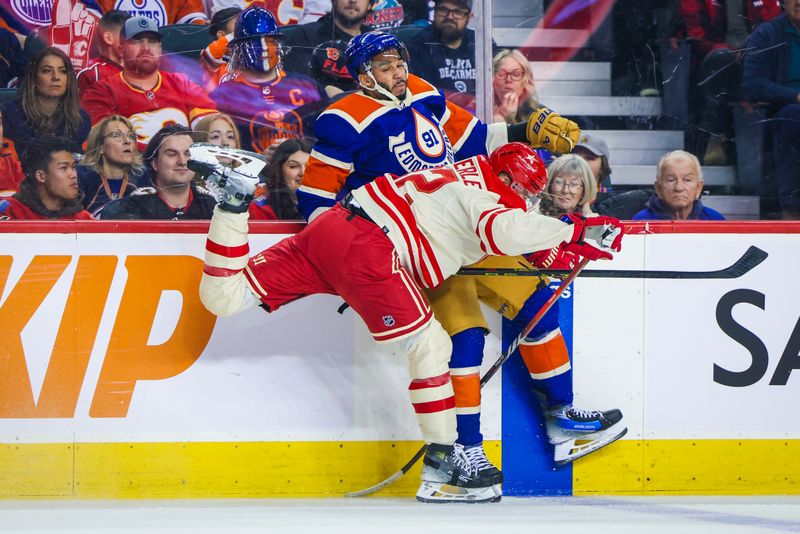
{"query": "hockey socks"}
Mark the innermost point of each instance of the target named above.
(547, 361)
(465, 367)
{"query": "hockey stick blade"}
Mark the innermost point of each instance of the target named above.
(396, 475)
(487, 376)
(752, 257)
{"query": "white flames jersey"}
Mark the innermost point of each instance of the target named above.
(440, 220)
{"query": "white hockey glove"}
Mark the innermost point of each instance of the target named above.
(233, 185)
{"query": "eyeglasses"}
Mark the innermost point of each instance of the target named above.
(515, 75)
(559, 183)
(121, 136)
(457, 14)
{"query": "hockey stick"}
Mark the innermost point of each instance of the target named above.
(488, 375)
(750, 259)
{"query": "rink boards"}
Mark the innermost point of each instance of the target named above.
(116, 383)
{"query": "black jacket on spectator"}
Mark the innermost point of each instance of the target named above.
(765, 72)
(12, 60)
(146, 204)
(95, 195)
(299, 41)
(451, 70)
(17, 129)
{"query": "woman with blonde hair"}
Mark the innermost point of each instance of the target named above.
(47, 103)
(515, 95)
(112, 166)
(218, 129)
(571, 187)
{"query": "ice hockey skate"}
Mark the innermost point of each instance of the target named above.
(448, 476)
(477, 457)
(576, 433)
(233, 181)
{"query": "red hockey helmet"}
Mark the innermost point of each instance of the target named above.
(524, 167)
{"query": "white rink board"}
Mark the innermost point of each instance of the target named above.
(307, 373)
(304, 373)
(649, 347)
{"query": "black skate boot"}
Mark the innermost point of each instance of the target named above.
(448, 476)
(477, 457)
(576, 433)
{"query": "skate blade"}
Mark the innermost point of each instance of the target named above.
(572, 449)
(440, 492)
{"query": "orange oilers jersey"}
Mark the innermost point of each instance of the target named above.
(360, 137)
(174, 99)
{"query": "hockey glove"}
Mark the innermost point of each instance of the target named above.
(594, 237)
(549, 130)
(233, 187)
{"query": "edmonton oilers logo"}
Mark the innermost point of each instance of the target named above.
(152, 9)
(37, 12)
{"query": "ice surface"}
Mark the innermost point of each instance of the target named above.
(551, 515)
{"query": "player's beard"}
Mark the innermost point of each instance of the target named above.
(450, 33)
(401, 97)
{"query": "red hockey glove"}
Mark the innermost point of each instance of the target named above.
(594, 237)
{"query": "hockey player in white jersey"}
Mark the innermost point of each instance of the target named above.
(375, 248)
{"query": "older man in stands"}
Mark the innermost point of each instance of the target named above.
(147, 96)
(679, 184)
(771, 73)
(50, 188)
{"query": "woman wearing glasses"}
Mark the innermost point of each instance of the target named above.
(112, 166)
(515, 96)
(571, 187)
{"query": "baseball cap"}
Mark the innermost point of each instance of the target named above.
(593, 144)
(465, 3)
(138, 25)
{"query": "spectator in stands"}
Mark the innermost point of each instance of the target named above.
(172, 197)
(107, 60)
(717, 34)
(284, 176)
(266, 103)
(212, 57)
(47, 104)
(444, 52)
(622, 205)
(571, 187)
(515, 95)
(770, 75)
(10, 169)
(144, 94)
(218, 129)
(595, 151)
(679, 184)
(345, 20)
(12, 59)
(112, 166)
(328, 68)
(50, 188)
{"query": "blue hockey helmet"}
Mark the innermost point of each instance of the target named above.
(362, 48)
(255, 40)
